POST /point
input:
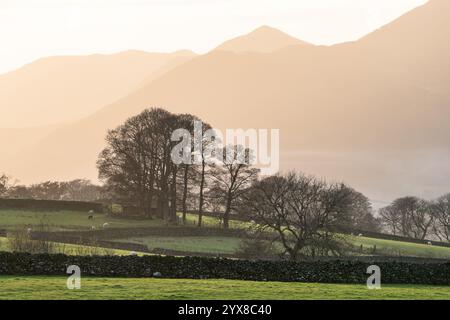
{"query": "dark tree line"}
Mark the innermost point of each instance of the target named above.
(75, 190)
(137, 166)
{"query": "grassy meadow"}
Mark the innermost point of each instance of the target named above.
(66, 220)
(216, 245)
(76, 220)
(75, 249)
(54, 288)
(45, 287)
(405, 249)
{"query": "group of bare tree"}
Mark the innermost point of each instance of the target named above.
(138, 167)
(417, 218)
(76, 190)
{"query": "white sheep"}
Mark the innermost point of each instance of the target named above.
(133, 253)
(105, 225)
(91, 211)
(430, 243)
(92, 228)
(29, 230)
(360, 235)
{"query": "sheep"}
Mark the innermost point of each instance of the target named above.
(91, 211)
(105, 225)
(92, 228)
(133, 253)
(29, 230)
(360, 235)
(430, 243)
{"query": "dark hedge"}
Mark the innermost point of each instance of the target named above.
(338, 271)
(53, 205)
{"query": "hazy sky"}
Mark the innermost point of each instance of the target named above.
(30, 29)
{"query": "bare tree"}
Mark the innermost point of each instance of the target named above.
(440, 209)
(302, 211)
(232, 177)
(391, 219)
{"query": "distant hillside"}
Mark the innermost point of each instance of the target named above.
(63, 89)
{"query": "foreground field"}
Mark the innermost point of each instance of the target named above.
(169, 289)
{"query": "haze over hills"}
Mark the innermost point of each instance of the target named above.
(61, 89)
(373, 113)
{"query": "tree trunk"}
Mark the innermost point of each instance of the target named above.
(185, 190)
(173, 199)
(201, 199)
(226, 215)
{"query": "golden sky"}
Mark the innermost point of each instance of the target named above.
(30, 29)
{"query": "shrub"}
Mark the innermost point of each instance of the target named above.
(257, 249)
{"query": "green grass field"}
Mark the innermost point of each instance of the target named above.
(76, 220)
(216, 245)
(398, 248)
(66, 220)
(73, 249)
(170, 289)
(73, 220)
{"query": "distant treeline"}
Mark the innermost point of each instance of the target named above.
(416, 218)
(75, 190)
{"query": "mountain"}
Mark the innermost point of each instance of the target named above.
(61, 89)
(373, 113)
(262, 40)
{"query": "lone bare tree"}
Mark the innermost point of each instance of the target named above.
(302, 211)
(232, 177)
